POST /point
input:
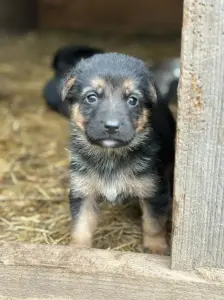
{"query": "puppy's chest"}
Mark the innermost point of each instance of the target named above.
(115, 185)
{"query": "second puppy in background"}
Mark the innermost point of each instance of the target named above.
(122, 145)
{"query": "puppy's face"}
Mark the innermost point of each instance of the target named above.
(110, 105)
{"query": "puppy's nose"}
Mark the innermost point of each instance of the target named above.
(112, 126)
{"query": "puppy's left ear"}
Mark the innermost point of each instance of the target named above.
(66, 86)
(153, 92)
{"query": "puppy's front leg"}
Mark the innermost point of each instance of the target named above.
(84, 213)
(155, 213)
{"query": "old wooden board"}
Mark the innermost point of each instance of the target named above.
(62, 272)
(18, 16)
(198, 230)
(159, 17)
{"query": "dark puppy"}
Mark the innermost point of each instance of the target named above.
(122, 145)
(70, 55)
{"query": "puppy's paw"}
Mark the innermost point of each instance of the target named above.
(81, 241)
(156, 245)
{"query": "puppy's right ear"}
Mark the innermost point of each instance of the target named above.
(66, 86)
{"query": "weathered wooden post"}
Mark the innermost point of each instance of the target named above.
(198, 231)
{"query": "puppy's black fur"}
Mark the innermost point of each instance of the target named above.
(122, 145)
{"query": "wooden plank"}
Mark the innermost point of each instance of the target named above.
(198, 230)
(62, 272)
(160, 17)
(18, 15)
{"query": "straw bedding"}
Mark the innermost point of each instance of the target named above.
(33, 142)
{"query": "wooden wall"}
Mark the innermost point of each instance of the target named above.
(128, 16)
(198, 224)
(17, 15)
(124, 16)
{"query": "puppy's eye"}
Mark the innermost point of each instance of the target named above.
(91, 98)
(132, 101)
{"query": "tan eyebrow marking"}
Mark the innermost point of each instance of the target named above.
(128, 86)
(98, 83)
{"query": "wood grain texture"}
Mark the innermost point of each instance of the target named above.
(198, 230)
(160, 17)
(62, 272)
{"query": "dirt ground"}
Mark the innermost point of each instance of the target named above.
(33, 142)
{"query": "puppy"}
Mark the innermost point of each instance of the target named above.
(122, 145)
(70, 55)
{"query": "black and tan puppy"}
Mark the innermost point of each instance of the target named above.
(122, 145)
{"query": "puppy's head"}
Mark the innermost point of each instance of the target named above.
(110, 96)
